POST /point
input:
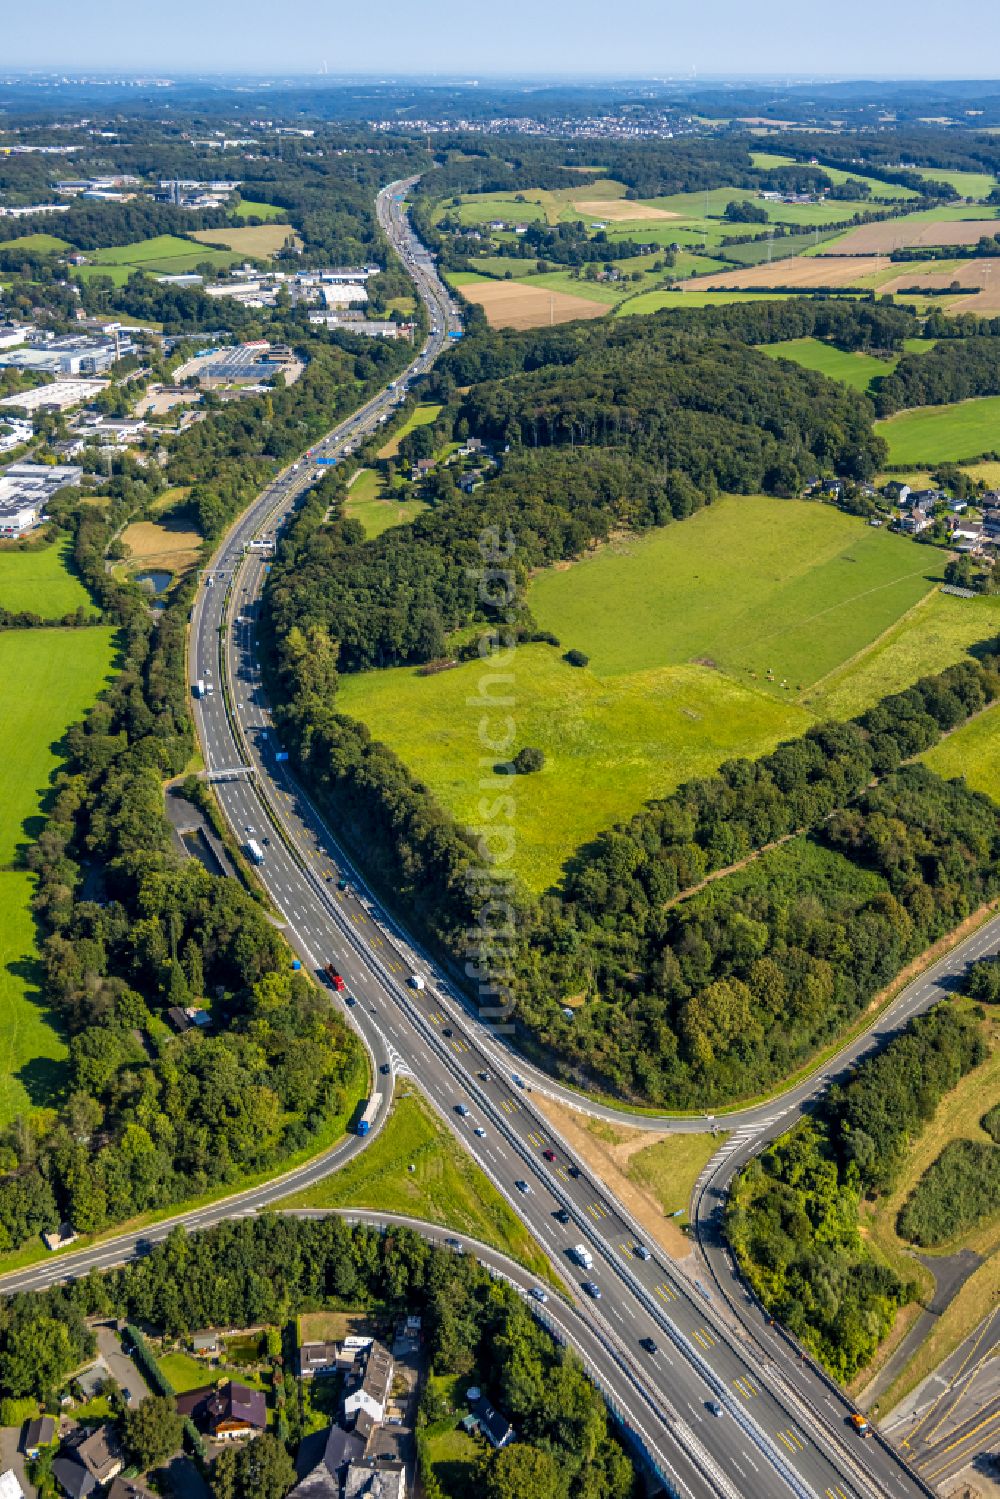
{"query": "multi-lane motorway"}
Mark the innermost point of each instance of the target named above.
(721, 1406)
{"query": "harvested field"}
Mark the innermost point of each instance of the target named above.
(511, 304)
(155, 544)
(799, 271)
(619, 210)
(983, 273)
(260, 240)
(894, 234)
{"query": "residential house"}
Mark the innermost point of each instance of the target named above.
(914, 523)
(957, 507)
(470, 481)
(90, 1382)
(369, 1391)
(10, 1488)
(968, 537)
(227, 1412)
(317, 1358)
(87, 1460)
(421, 469)
(472, 447)
(128, 1488)
(373, 1478)
(38, 1433)
(203, 1344)
(925, 499)
(494, 1426)
(897, 492)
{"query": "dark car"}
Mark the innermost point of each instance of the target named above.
(447, 1031)
(648, 1343)
(574, 1171)
(385, 1069)
(562, 1216)
(592, 1290)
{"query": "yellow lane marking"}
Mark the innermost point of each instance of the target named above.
(990, 1420)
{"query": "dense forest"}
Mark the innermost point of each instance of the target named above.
(634, 425)
(268, 1269)
(793, 1215)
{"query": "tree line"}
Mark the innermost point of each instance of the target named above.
(130, 930)
(793, 1214)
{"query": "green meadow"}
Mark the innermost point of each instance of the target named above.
(720, 626)
(365, 503)
(853, 369)
(943, 434)
(42, 581)
(422, 415)
(48, 680)
(246, 209)
(973, 751)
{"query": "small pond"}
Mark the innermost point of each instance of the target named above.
(155, 581)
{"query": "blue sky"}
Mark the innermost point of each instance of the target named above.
(475, 38)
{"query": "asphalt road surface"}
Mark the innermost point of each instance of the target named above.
(779, 1428)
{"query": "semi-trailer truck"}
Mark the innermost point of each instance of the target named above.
(254, 851)
(583, 1256)
(370, 1114)
(199, 688)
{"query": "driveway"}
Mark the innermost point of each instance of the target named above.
(11, 1456)
(122, 1369)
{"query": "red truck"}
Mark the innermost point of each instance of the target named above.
(334, 977)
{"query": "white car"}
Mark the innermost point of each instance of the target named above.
(416, 982)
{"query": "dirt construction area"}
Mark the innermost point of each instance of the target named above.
(894, 234)
(509, 304)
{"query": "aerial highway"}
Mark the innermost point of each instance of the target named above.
(719, 1402)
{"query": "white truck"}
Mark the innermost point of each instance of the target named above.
(583, 1256)
(254, 851)
(199, 687)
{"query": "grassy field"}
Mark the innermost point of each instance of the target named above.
(42, 243)
(259, 240)
(767, 159)
(247, 209)
(976, 185)
(853, 369)
(364, 504)
(163, 254)
(609, 744)
(31, 1042)
(42, 581)
(421, 416)
(943, 434)
(973, 751)
(670, 691)
(747, 585)
(446, 1186)
(656, 301)
(935, 633)
(66, 670)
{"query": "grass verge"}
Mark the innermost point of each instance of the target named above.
(444, 1186)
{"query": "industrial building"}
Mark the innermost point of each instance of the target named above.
(59, 396)
(24, 490)
(70, 354)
